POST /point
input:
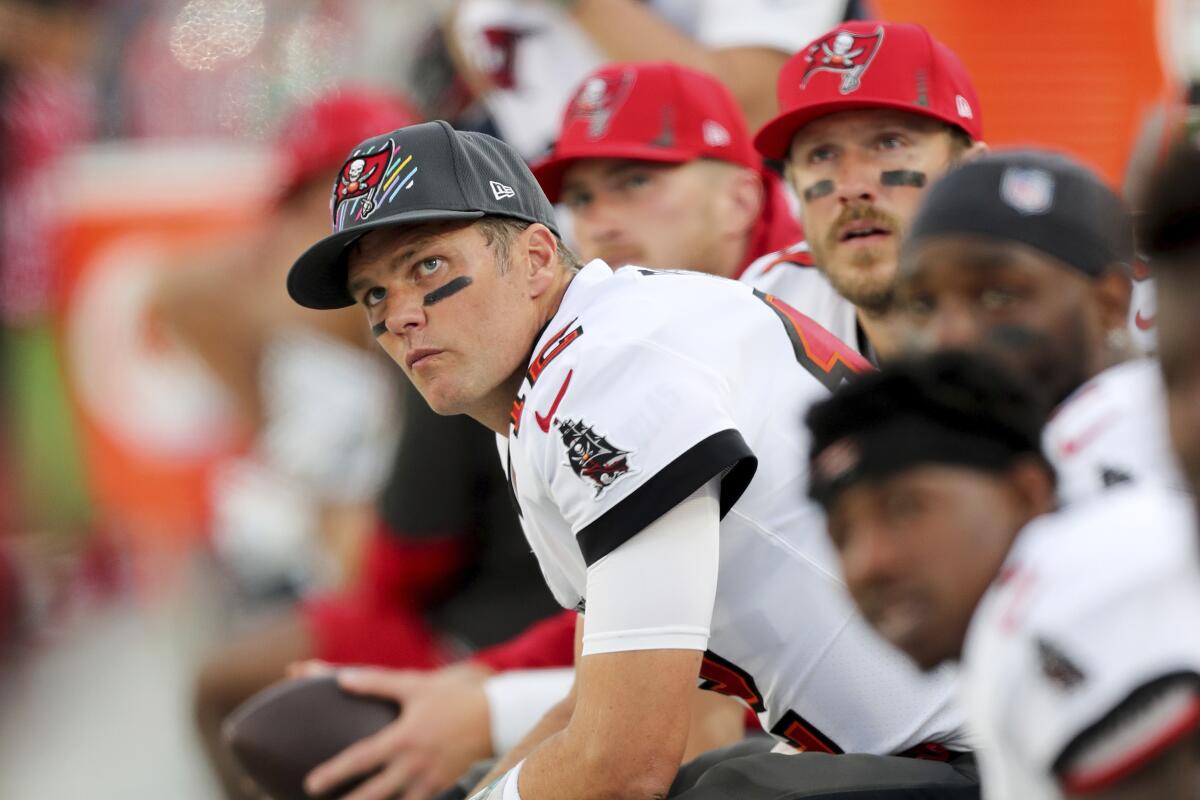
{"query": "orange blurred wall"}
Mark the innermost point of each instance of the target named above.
(1077, 76)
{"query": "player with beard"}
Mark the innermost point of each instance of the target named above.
(1171, 238)
(1079, 672)
(1028, 255)
(872, 114)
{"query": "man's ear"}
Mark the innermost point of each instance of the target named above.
(1033, 481)
(974, 151)
(539, 245)
(745, 201)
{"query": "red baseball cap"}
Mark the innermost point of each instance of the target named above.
(871, 64)
(316, 136)
(648, 112)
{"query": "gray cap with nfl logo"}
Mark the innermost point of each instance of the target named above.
(423, 173)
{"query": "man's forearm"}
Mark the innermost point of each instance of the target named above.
(627, 30)
(552, 723)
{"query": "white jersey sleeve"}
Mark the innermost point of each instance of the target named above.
(1081, 661)
(1113, 430)
(792, 276)
(637, 430)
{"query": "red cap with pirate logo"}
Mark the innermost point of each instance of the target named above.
(315, 137)
(648, 112)
(871, 65)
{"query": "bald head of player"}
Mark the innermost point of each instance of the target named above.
(872, 114)
(1025, 254)
(654, 162)
(1171, 238)
(927, 471)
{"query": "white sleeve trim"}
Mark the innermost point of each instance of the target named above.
(656, 591)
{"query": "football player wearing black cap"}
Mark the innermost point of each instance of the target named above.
(658, 472)
(1028, 255)
(1080, 674)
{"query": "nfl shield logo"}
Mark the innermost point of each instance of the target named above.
(1028, 190)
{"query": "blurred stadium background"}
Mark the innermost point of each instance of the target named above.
(135, 138)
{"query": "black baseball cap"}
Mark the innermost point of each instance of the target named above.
(421, 173)
(1045, 200)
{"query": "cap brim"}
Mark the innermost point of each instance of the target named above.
(318, 278)
(774, 140)
(549, 171)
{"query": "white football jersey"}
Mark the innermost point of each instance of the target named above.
(793, 277)
(1091, 621)
(1112, 430)
(535, 55)
(645, 386)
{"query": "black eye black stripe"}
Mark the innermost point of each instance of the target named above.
(445, 290)
(902, 177)
(818, 190)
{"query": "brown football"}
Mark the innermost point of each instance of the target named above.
(280, 734)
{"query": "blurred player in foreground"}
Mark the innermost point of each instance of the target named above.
(1028, 255)
(1080, 662)
(872, 113)
(644, 452)
(1171, 238)
(655, 163)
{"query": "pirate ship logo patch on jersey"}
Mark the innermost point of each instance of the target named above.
(371, 177)
(592, 457)
(848, 54)
(598, 99)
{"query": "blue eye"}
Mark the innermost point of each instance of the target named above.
(429, 266)
(374, 296)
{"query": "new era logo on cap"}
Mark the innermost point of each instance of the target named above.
(715, 134)
(500, 191)
(963, 107)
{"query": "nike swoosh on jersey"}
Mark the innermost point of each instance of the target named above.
(544, 422)
(1072, 446)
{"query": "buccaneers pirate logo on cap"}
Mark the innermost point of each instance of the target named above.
(360, 177)
(598, 99)
(843, 52)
